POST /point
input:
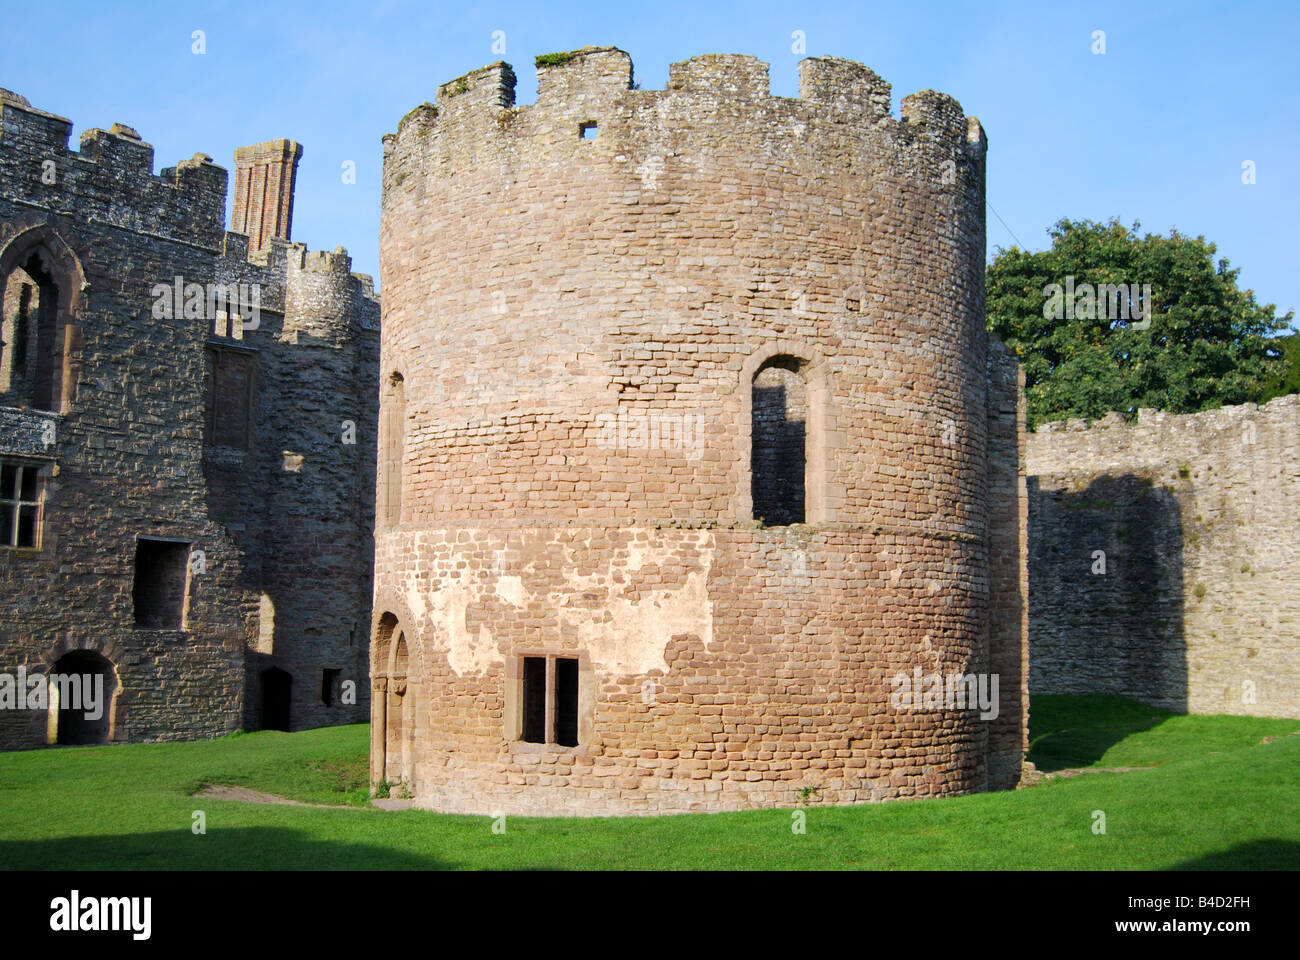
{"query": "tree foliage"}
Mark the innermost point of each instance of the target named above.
(1287, 380)
(1204, 343)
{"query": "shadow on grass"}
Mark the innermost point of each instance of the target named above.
(241, 848)
(1256, 855)
(1076, 731)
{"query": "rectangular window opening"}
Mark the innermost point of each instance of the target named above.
(329, 682)
(566, 702)
(589, 130)
(20, 505)
(534, 706)
(161, 575)
(229, 398)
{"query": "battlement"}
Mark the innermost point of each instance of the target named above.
(844, 85)
(588, 94)
(721, 74)
(111, 180)
(111, 176)
(592, 73)
(1157, 437)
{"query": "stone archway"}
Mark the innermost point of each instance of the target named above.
(392, 705)
(401, 720)
(82, 691)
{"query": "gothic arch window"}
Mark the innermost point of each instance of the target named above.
(41, 286)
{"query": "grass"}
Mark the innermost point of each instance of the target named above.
(1215, 797)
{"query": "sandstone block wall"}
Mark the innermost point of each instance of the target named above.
(1197, 517)
(125, 451)
(541, 283)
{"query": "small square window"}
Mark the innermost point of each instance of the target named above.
(588, 130)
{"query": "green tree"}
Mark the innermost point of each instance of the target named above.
(1150, 321)
(1287, 380)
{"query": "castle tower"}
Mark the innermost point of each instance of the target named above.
(264, 180)
(685, 446)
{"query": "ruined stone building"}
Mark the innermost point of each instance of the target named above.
(186, 442)
(692, 442)
(1163, 556)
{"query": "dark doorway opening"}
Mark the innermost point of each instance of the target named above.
(277, 688)
(84, 684)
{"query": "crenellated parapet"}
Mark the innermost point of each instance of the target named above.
(710, 102)
(110, 181)
(110, 178)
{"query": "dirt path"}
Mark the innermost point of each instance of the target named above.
(244, 795)
(1075, 771)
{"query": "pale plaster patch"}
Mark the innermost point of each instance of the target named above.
(621, 636)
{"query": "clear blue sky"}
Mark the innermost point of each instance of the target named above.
(1156, 129)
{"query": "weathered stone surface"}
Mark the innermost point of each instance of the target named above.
(1197, 517)
(542, 287)
(131, 454)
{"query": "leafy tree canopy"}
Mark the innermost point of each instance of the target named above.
(1110, 320)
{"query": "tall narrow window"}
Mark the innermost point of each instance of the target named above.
(329, 686)
(534, 700)
(32, 351)
(394, 451)
(20, 505)
(566, 702)
(779, 409)
(229, 397)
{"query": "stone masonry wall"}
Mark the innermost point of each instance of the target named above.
(541, 284)
(283, 526)
(1197, 518)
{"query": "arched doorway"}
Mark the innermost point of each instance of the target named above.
(392, 705)
(277, 693)
(82, 689)
(398, 751)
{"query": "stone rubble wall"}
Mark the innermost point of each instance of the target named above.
(1198, 516)
(130, 459)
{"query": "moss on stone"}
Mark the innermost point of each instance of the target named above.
(558, 59)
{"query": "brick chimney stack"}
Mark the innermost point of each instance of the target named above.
(264, 176)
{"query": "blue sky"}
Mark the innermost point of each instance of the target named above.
(1155, 129)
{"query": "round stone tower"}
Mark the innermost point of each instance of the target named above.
(687, 459)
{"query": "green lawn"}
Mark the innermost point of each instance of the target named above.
(1215, 797)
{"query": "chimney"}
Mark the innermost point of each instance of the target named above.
(264, 175)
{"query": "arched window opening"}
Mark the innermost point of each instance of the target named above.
(31, 351)
(779, 405)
